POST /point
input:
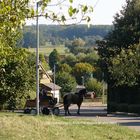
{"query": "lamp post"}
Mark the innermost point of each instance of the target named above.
(37, 59)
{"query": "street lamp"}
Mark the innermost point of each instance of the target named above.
(37, 59)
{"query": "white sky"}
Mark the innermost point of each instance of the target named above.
(104, 11)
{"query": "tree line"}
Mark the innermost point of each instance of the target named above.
(56, 34)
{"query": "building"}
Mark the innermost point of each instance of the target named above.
(47, 84)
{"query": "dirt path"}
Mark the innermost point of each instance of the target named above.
(97, 111)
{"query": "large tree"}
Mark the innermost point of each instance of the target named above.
(126, 33)
(17, 76)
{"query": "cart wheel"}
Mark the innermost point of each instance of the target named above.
(33, 111)
(45, 111)
(27, 111)
(56, 111)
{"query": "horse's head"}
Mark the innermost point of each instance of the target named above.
(83, 92)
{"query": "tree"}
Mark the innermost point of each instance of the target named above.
(12, 18)
(119, 61)
(29, 40)
(17, 76)
(64, 68)
(53, 58)
(43, 61)
(76, 45)
(66, 81)
(126, 32)
(126, 66)
(82, 69)
(91, 58)
(70, 60)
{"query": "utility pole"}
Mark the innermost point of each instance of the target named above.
(54, 78)
(37, 59)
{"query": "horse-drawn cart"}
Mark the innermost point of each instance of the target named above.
(47, 104)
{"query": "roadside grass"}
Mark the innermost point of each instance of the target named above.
(26, 127)
(47, 50)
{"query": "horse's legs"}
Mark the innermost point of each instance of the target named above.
(68, 111)
(66, 108)
(78, 112)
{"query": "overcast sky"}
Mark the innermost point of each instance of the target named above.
(104, 10)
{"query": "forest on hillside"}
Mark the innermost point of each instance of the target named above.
(56, 34)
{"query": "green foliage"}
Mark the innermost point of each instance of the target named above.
(12, 17)
(56, 34)
(126, 30)
(66, 81)
(29, 40)
(70, 60)
(53, 58)
(82, 69)
(64, 68)
(75, 45)
(91, 58)
(119, 62)
(125, 69)
(43, 61)
(94, 85)
(17, 75)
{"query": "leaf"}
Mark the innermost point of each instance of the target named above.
(88, 19)
(74, 10)
(70, 11)
(84, 8)
(71, 1)
(63, 18)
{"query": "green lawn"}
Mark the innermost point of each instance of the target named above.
(47, 50)
(22, 127)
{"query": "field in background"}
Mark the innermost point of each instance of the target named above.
(47, 50)
(26, 127)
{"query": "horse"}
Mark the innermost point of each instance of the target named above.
(71, 98)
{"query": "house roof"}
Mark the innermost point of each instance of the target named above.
(51, 86)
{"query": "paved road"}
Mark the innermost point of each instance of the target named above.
(98, 112)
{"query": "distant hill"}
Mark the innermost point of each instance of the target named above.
(56, 34)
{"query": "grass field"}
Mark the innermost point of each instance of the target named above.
(22, 127)
(47, 50)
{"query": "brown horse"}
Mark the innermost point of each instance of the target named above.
(71, 98)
